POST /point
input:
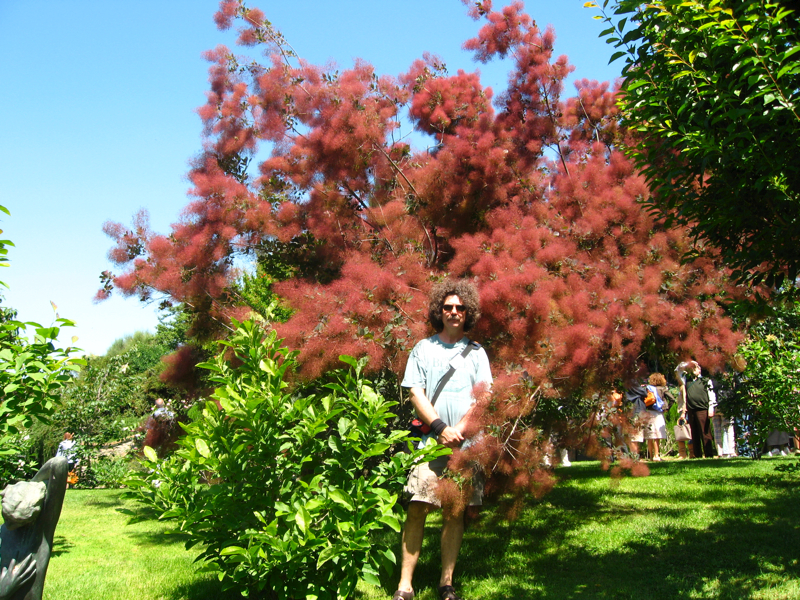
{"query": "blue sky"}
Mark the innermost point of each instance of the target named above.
(97, 118)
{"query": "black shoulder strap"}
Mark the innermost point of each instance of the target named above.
(443, 381)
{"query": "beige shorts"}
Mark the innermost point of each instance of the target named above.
(423, 479)
(654, 426)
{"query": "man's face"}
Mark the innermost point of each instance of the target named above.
(453, 312)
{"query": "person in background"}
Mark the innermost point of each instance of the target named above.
(654, 424)
(66, 448)
(162, 413)
(724, 434)
(696, 404)
(634, 396)
(778, 443)
(160, 429)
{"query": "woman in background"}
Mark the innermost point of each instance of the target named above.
(654, 425)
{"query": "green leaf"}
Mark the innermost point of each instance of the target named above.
(340, 497)
(327, 553)
(334, 445)
(150, 453)
(615, 56)
(370, 575)
(303, 519)
(202, 447)
(348, 360)
(391, 521)
(390, 555)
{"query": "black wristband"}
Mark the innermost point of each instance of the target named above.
(438, 426)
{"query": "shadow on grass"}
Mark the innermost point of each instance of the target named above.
(203, 589)
(104, 501)
(539, 557)
(670, 563)
(61, 546)
(157, 538)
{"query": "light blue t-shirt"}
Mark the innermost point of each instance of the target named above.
(428, 363)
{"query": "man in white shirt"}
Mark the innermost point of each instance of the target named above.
(453, 310)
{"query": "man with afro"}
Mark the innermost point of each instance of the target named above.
(454, 309)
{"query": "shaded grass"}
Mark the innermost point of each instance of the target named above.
(693, 529)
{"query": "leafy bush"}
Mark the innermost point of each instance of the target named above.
(32, 373)
(111, 472)
(114, 392)
(103, 401)
(764, 395)
(285, 490)
(17, 461)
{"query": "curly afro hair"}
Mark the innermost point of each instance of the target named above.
(657, 379)
(466, 292)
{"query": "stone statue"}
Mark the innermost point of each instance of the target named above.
(30, 512)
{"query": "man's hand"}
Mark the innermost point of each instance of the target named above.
(451, 437)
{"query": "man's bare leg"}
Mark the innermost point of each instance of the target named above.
(412, 543)
(452, 534)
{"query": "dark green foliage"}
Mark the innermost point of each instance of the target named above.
(106, 402)
(285, 490)
(32, 373)
(713, 88)
(123, 344)
(110, 402)
(18, 459)
(110, 472)
(256, 292)
(302, 257)
(172, 328)
(765, 394)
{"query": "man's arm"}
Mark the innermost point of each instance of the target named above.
(450, 437)
(682, 400)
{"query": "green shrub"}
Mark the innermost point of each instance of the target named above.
(32, 374)
(111, 472)
(17, 462)
(284, 490)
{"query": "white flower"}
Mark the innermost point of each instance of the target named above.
(156, 483)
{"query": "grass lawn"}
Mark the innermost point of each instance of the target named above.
(693, 529)
(97, 555)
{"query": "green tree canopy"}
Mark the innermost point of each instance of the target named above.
(712, 87)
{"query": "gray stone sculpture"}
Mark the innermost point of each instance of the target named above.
(30, 513)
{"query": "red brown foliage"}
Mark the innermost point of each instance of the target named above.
(528, 195)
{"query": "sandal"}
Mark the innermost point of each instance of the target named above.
(401, 595)
(448, 592)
